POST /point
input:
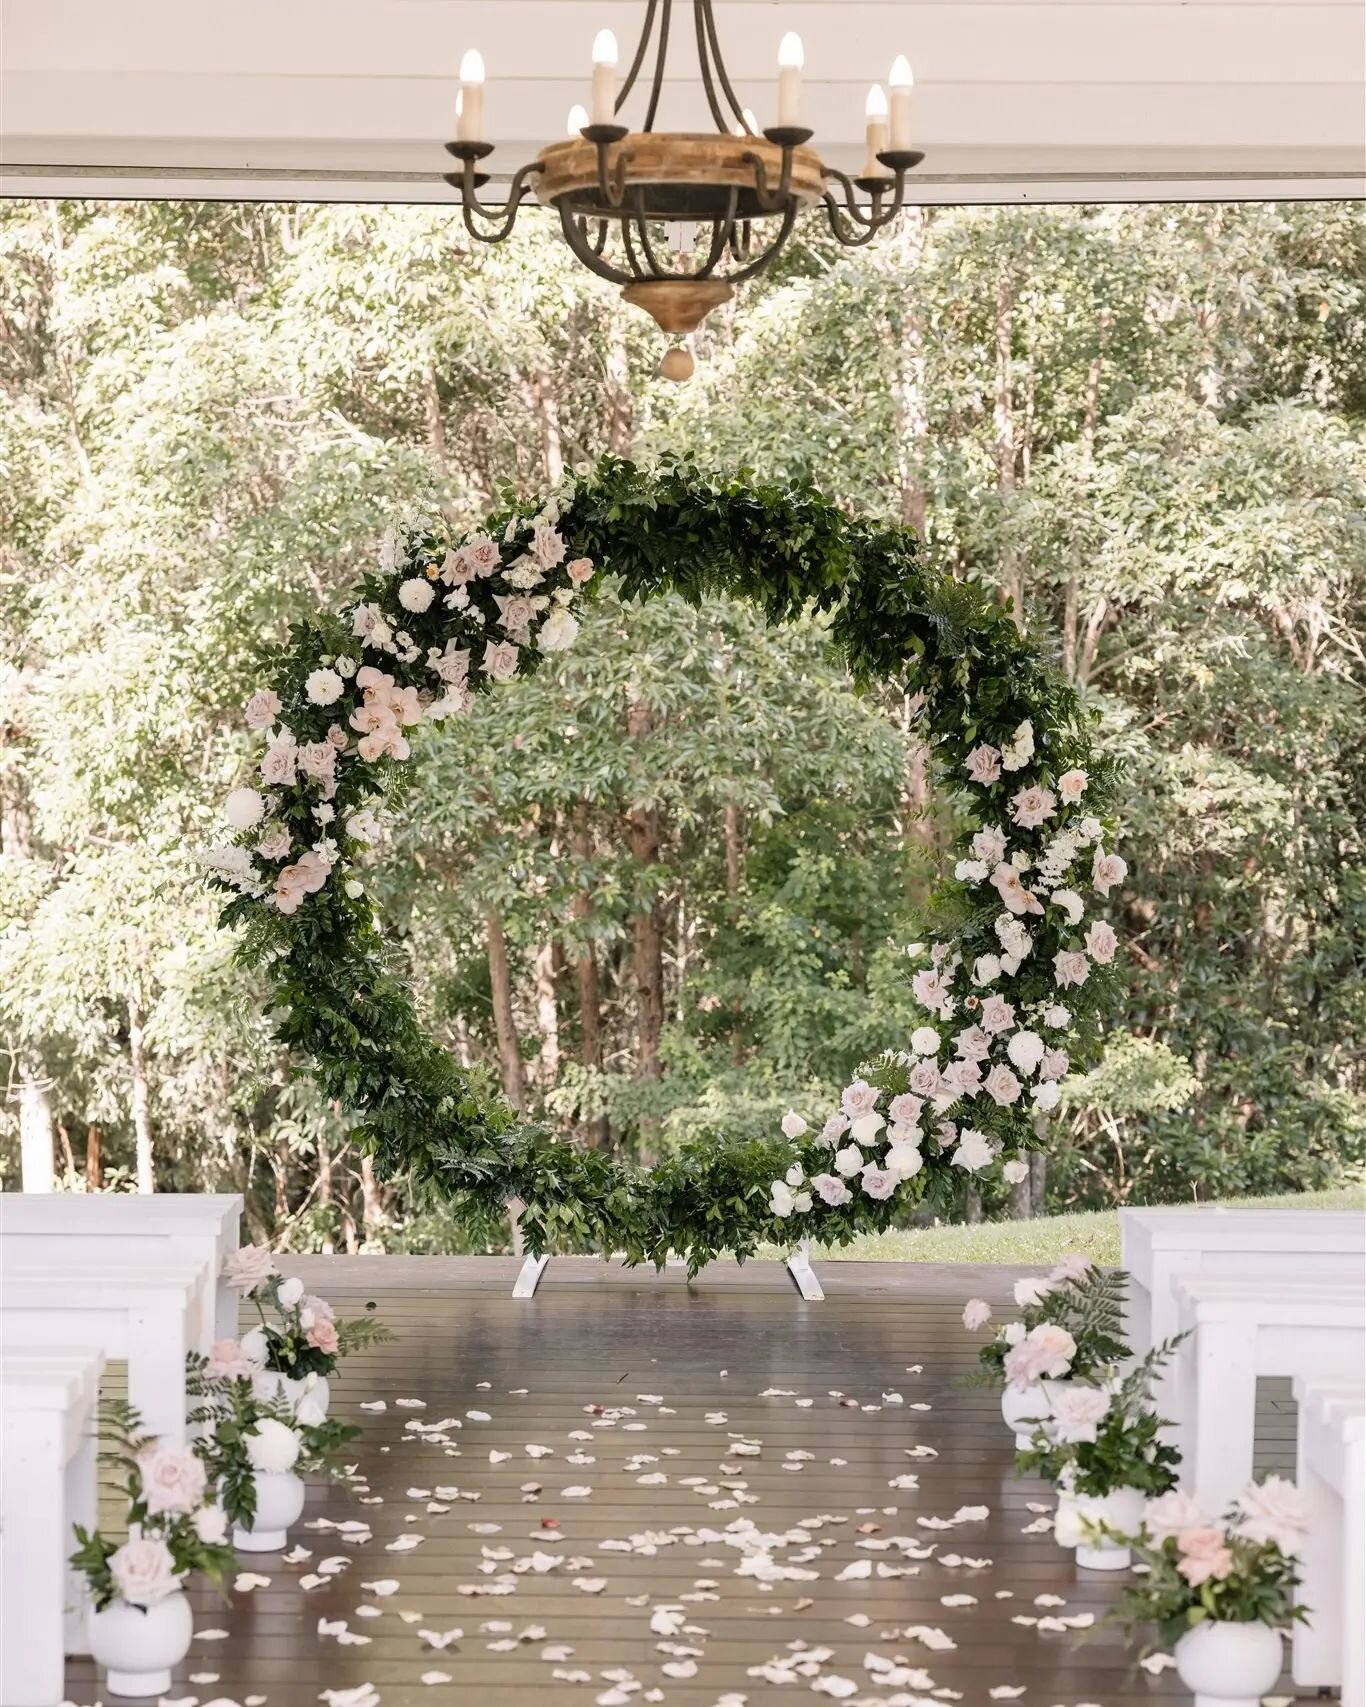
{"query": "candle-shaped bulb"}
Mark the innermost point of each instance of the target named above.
(604, 104)
(902, 82)
(605, 49)
(577, 120)
(790, 60)
(469, 111)
(876, 110)
(791, 54)
(875, 107)
(751, 123)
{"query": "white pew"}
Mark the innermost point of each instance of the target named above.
(1329, 1651)
(1158, 1244)
(48, 1406)
(1240, 1330)
(180, 1226)
(145, 1317)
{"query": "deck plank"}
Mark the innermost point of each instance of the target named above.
(599, 1334)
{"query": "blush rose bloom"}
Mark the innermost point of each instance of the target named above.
(930, 989)
(976, 1314)
(990, 845)
(1071, 786)
(905, 1109)
(997, 1015)
(247, 1267)
(547, 547)
(1106, 871)
(1015, 1171)
(1170, 1513)
(1273, 1511)
(1045, 1353)
(1204, 1557)
(481, 554)
(172, 1477)
(229, 1362)
(1033, 806)
(144, 1571)
(974, 1044)
(1076, 1412)
(322, 1336)
(858, 1098)
(1069, 967)
(262, 708)
(500, 661)
(831, 1189)
(278, 765)
(580, 571)
(879, 1183)
(924, 1079)
(295, 882)
(984, 764)
(1101, 942)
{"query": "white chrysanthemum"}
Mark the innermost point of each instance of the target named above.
(324, 687)
(244, 808)
(272, 1447)
(415, 594)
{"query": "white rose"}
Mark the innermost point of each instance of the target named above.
(144, 1571)
(271, 1447)
(802, 1202)
(558, 632)
(172, 1477)
(211, 1525)
(867, 1127)
(849, 1161)
(344, 666)
(243, 808)
(986, 969)
(255, 1345)
(904, 1159)
(925, 1040)
(1047, 1095)
(416, 595)
(1070, 902)
(780, 1200)
(1014, 1172)
(309, 1412)
(354, 889)
(1057, 1016)
(290, 1291)
(794, 1175)
(793, 1125)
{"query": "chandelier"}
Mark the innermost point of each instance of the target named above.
(678, 219)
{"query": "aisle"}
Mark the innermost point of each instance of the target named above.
(628, 1490)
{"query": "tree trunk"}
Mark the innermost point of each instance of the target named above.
(325, 1192)
(586, 968)
(647, 936)
(36, 1167)
(735, 853)
(92, 1157)
(436, 428)
(500, 983)
(142, 1120)
(547, 1015)
(372, 1199)
(620, 404)
(543, 400)
(1003, 416)
(972, 1205)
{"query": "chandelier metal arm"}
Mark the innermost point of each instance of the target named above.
(588, 250)
(770, 200)
(713, 69)
(628, 82)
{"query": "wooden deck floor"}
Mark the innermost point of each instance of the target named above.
(728, 1402)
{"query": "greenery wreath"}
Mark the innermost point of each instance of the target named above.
(1014, 988)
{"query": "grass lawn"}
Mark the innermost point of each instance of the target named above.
(1024, 1244)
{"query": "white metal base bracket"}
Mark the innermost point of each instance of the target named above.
(529, 1276)
(798, 1266)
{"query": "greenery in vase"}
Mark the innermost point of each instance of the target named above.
(173, 1528)
(247, 1434)
(1083, 1303)
(1098, 1439)
(1243, 1569)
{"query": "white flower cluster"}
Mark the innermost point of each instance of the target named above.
(495, 612)
(985, 1047)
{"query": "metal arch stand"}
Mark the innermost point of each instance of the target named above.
(798, 1266)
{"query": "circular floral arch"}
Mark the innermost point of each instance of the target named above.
(1013, 978)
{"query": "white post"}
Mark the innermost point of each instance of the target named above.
(799, 1267)
(529, 1276)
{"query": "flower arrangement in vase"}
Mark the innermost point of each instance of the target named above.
(1220, 1593)
(254, 1447)
(139, 1620)
(293, 1354)
(1070, 1327)
(1101, 1446)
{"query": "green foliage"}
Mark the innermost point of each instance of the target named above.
(1128, 1450)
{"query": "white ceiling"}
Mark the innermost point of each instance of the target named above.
(351, 99)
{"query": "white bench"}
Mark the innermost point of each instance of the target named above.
(179, 1226)
(1158, 1244)
(1330, 1651)
(145, 1317)
(48, 1419)
(1242, 1329)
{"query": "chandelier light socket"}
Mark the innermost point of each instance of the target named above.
(603, 134)
(787, 135)
(900, 160)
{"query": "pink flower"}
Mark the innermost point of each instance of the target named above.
(1106, 871)
(990, 845)
(481, 554)
(514, 614)
(322, 1336)
(859, 1099)
(276, 843)
(831, 1189)
(1002, 1086)
(1170, 1513)
(318, 759)
(278, 765)
(500, 661)
(984, 764)
(1204, 1555)
(975, 1150)
(878, 1183)
(924, 1079)
(1273, 1512)
(1054, 1064)
(1045, 1352)
(229, 1362)
(322, 1310)
(580, 571)
(1074, 1266)
(1007, 883)
(1071, 786)
(963, 1076)
(976, 1314)
(144, 1571)
(295, 882)
(997, 1015)
(1076, 1412)
(547, 547)
(1101, 943)
(905, 1109)
(1032, 806)
(172, 1477)
(930, 989)
(974, 1044)
(1070, 967)
(456, 569)
(262, 708)
(849, 1161)
(247, 1267)
(835, 1127)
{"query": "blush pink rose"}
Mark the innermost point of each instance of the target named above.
(262, 708)
(1009, 885)
(1069, 967)
(247, 1267)
(580, 571)
(997, 1015)
(984, 764)
(295, 882)
(1205, 1556)
(858, 1099)
(1071, 786)
(905, 1109)
(1106, 871)
(173, 1479)
(1002, 1086)
(1045, 1353)
(1033, 806)
(1101, 942)
(322, 1336)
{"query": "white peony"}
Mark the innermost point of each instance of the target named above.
(558, 632)
(244, 808)
(904, 1159)
(1026, 1050)
(211, 1525)
(793, 1125)
(290, 1291)
(975, 1151)
(1076, 1412)
(272, 1447)
(849, 1161)
(324, 687)
(144, 1571)
(925, 1040)
(867, 1127)
(1047, 1095)
(416, 594)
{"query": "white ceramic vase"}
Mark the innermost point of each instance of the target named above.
(279, 1501)
(1121, 1511)
(137, 1646)
(1229, 1665)
(270, 1383)
(1022, 1407)
(1067, 1530)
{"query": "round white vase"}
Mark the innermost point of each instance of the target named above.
(1022, 1407)
(270, 1384)
(279, 1501)
(137, 1646)
(1229, 1665)
(1121, 1510)
(1067, 1531)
